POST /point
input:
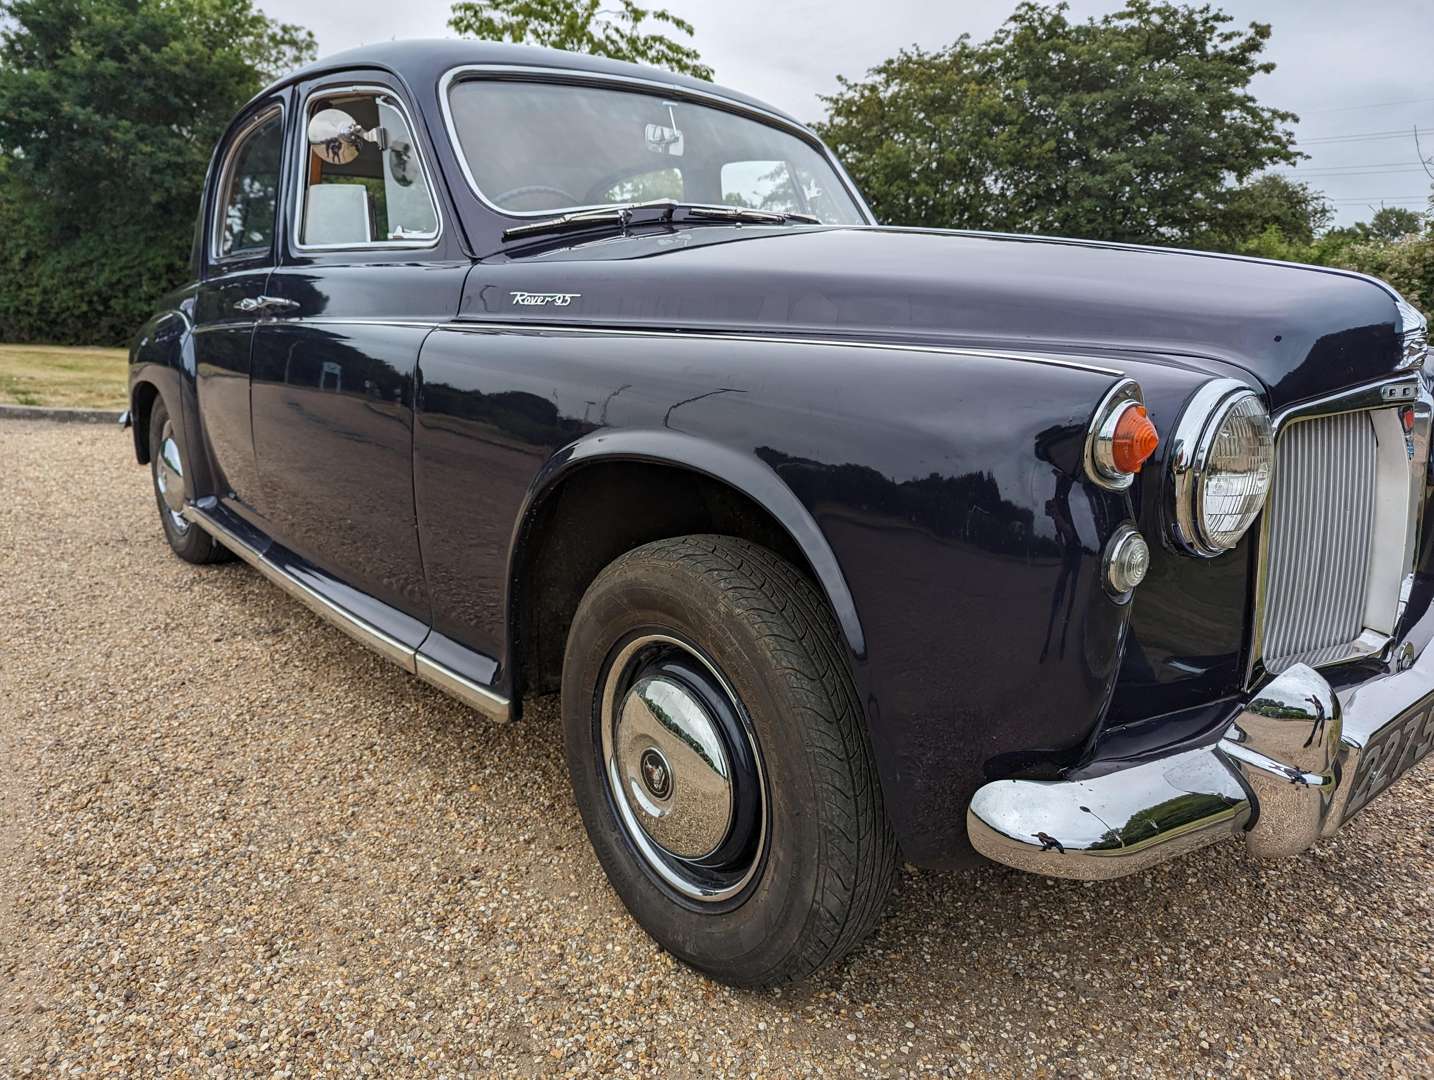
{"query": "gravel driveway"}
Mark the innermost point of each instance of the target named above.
(232, 842)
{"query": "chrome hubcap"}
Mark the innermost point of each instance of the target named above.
(673, 768)
(169, 477)
(682, 768)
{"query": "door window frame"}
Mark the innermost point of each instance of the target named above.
(296, 222)
(245, 256)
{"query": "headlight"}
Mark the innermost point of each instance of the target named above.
(1221, 463)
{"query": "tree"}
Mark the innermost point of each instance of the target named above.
(1296, 211)
(1391, 223)
(583, 26)
(1130, 126)
(109, 110)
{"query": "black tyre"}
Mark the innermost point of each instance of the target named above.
(720, 761)
(166, 468)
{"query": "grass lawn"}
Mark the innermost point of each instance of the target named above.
(56, 375)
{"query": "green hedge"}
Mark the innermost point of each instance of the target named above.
(83, 287)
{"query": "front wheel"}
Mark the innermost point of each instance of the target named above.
(720, 762)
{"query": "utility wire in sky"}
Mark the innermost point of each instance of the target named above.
(1369, 136)
(1371, 105)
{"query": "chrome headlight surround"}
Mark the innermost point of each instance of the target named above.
(1413, 331)
(1190, 456)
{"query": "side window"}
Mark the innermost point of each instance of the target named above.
(364, 182)
(250, 189)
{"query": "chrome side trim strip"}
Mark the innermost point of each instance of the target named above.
(1051, 360)
(321, 605)
(492, 705)
(479, 327)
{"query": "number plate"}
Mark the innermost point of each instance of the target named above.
(1395, 749)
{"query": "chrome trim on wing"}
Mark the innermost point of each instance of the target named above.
(757, 336)
(470, 693)
(475, 326)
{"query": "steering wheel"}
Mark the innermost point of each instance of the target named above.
(536, 189)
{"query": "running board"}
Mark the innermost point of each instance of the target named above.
(494, 706)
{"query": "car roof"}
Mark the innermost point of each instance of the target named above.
(422, 62)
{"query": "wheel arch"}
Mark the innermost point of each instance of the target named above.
(673, 484)
(143, 394)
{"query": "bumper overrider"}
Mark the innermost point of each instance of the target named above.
(1297, 763)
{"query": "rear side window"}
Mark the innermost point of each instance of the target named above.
(250, 189)
(364, 182)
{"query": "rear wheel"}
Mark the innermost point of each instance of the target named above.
(720, 762)
(166, 466)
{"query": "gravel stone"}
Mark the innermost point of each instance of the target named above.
(234, 843)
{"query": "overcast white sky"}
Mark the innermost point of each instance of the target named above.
(1348, 68)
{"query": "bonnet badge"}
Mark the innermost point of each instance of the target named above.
(544, 299)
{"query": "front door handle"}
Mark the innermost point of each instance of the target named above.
(266, 305)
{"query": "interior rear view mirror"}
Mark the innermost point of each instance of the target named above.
(665, 139)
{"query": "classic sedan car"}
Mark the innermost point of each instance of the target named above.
(539, 372)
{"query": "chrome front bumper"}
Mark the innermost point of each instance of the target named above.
(1295, 765)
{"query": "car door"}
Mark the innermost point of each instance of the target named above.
(237, 256)
(366, 272)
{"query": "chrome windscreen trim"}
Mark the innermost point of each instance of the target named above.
(535, 73)
(470, 693)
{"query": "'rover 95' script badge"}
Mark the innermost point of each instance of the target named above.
(543, 299)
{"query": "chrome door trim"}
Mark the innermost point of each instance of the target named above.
(536, 73)
(297, 224)
(492, 705)
(221, 190)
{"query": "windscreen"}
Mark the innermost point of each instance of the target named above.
(540, 147)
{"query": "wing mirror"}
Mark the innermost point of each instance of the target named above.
(337, 137)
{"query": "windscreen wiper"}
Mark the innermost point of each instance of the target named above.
(655, 212)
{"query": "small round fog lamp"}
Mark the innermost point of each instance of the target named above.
(1127, 558)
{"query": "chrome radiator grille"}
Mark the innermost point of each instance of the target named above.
(1321, 522)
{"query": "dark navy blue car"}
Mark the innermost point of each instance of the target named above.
(542, 372)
